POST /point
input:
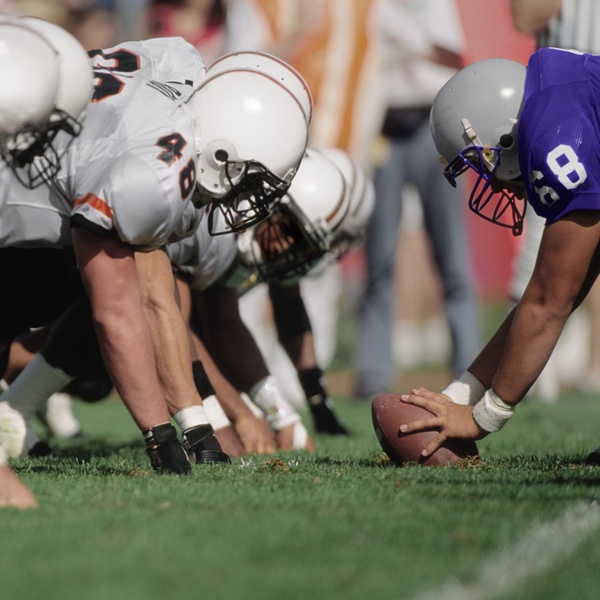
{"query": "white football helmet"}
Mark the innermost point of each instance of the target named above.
(29, 72)
(362, 200)
(474, 121)
(272, 66)
(251, 133)
(76, 78)
(75, 87)
(303, 225)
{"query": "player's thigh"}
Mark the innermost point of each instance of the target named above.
(38, 284)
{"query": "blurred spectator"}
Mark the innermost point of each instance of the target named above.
(200, 22)
(8, 7)
(93, 22)
(330, 43)
(421, 41)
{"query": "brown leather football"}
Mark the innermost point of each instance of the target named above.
(389, 412)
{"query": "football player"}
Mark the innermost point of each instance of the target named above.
(530, 135)
(323, 214)
(29, 91)
(161, 140)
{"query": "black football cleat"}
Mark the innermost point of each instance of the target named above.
(166, 452)
(324, 417)
(593, 458)
(204, 446)
(39, 449)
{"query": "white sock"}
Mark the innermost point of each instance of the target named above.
(59, 417)
(34, 385)
(191, 416)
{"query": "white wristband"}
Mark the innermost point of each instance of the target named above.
(491, 413)
(466, 390)
(215, 413)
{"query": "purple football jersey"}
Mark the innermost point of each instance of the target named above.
(559, 126)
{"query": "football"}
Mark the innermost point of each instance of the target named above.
(389, 412)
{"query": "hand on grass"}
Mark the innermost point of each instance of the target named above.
(453, 420)
(294, 437)
(256, 435)
(13, 492)
(230, 442)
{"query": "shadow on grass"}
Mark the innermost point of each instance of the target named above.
(88, 455)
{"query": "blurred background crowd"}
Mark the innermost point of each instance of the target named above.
(414, 294)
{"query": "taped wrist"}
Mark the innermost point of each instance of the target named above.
(491, 413)
(466, 390)
(215, 413)
(268, 396)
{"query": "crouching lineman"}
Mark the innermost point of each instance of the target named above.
(322, 219)
(550, 163)
(33, 109)
(322, 216)
(161, 138)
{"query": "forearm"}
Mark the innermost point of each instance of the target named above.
(530, 342)
(229, 397)
(293, 325)
(108, 272)
(228, 341)
(486, 363)
(168, 330)
(125, 345)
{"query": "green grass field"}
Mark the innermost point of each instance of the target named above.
(343, 523)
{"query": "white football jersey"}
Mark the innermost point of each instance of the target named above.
(131, 172)
(203, 257)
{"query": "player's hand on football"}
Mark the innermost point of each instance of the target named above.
(256, 435)
(453, 420)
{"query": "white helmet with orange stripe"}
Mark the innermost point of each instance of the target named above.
(251, 129)
(303, 225)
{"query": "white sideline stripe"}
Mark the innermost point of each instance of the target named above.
(534, 554)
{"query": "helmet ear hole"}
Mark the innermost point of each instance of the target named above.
(221, 155)
(506, 140)
(218, 152)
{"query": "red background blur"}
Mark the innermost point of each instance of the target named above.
(490, 33)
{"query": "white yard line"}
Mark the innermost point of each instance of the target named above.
(535, 553)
